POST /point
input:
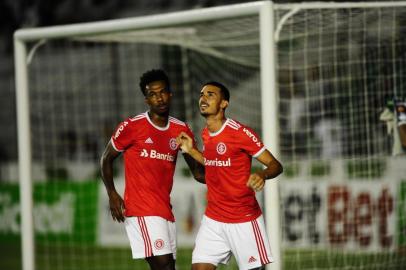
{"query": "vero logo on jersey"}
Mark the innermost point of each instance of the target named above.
(156, 155)
(120, 129)
(252, 136)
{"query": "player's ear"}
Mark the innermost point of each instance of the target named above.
(224, 104)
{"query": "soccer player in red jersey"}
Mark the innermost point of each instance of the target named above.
(148, 143)
(233, 222)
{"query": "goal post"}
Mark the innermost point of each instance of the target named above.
(24, 155)
(270, 126)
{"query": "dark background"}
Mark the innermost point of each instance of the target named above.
(16, 14)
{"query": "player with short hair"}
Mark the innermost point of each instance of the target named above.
(233, 222)
(148, 143)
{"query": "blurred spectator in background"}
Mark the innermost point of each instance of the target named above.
(401, 121)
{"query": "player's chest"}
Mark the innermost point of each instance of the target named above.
(220, 148)
(163, 142)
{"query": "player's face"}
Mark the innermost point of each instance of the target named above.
(157, 97)
(211, 101)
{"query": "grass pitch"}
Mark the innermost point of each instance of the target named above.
(62, 257)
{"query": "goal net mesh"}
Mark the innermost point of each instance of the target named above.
(342, 191)
(339, 71)
(81, 87)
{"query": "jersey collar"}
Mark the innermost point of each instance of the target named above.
(220, 130)
(155, 126)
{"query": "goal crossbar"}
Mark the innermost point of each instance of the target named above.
(143, 22)
(175, 18)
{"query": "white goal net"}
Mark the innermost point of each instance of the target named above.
(343, 192)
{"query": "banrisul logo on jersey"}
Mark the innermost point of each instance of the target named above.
(156, 155)
(217, 162)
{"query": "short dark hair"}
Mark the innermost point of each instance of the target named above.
(153, 75)
(223, 89)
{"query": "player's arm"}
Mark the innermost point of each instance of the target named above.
(186, 144)
(193, 157)
(273, 168)
(115, 200)
(195, 167)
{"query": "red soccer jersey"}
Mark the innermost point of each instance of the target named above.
(149, 158)
(227, 156)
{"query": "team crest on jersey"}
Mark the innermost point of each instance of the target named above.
(221, 148)
(159, 244)
(172, 144)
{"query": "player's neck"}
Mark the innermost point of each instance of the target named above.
(158, 120)
(215, 122)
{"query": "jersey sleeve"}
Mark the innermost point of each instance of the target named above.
(250, 142)
(121, 138)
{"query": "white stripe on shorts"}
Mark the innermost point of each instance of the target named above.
(145, 236)
(151, 236)
(260, 243)
(247, 241)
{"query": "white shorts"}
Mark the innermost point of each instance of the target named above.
(247, 241)
(151, 236)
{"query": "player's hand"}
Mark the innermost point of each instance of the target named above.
(116, 207)
(256, 182)
(185, 142)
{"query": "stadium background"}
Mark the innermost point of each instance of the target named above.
(16, 14)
